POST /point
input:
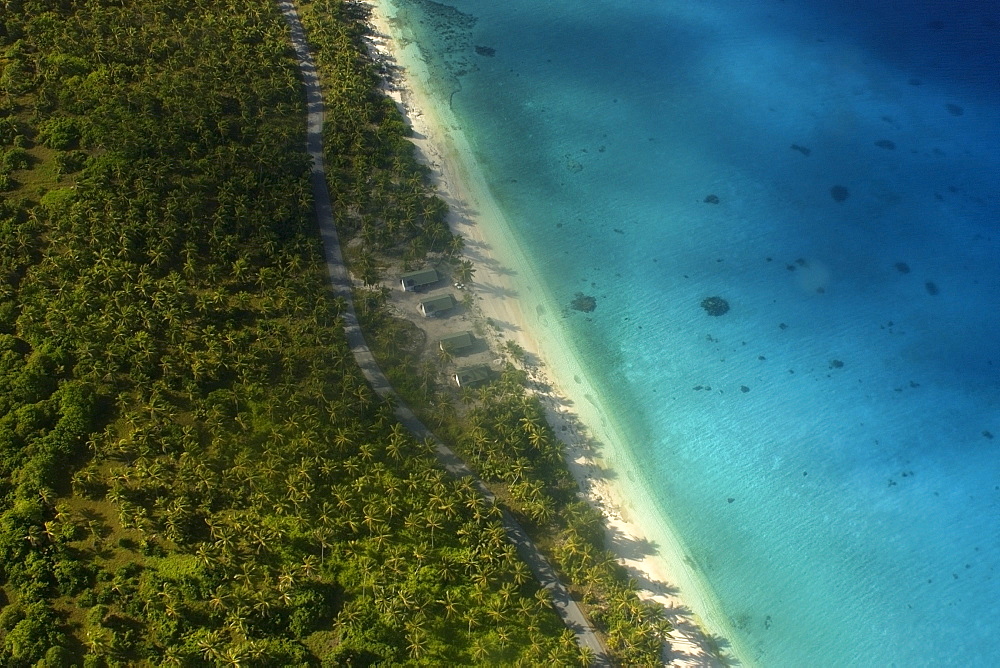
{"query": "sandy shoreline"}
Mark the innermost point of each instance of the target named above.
(443, 147)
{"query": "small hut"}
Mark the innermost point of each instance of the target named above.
(472, 376)
(437, 305)
(457, 343)
(415, 280)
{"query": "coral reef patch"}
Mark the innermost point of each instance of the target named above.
(584, 303)
(887, 144)
(711, 199)
(715, 306)
(839, 193)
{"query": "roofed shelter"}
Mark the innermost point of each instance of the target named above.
(437, 305)
(457, 343)
(414, 280)
(472, 376)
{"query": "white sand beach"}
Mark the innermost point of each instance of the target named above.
(505, 294)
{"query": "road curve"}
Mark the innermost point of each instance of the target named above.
(564, 604)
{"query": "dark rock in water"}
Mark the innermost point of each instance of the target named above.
(584, 303)
(836, 364)
(932, 288)
(730, 500)
(715, 305)
(801, 149)
(887, 144)
(487, 51)
(839, 193)
(744, 388)
(954, 109)
(988, 434)
(902, 267)
(712, 199)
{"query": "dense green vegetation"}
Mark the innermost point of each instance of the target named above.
(192, 470)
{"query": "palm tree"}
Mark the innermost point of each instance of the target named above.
(445, 355)
(450, 602)
(308, 568)
(219, 601)
(480, 648)
(417, 642)
(234, 656)
(586, 656)
(98, 641)
(433, 521)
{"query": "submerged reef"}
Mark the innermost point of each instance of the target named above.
(839, 193)
(887, 144)
(711, 199)
(487, 51)
(584, 303)
(715, 306)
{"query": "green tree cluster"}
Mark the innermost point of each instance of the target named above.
(192, 469)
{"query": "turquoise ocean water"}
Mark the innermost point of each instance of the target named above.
(824, 452)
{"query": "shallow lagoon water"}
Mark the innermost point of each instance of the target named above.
(822, 453)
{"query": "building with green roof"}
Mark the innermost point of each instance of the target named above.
(457, 343)
(414, 280)
(472, 376)
(437, 305)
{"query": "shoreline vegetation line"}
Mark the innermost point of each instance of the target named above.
(563, 603)
(492, 300)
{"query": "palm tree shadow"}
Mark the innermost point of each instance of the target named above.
(504, 326)
(496, 291)
(691, 644)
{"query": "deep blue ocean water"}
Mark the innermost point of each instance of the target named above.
(826, 451)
